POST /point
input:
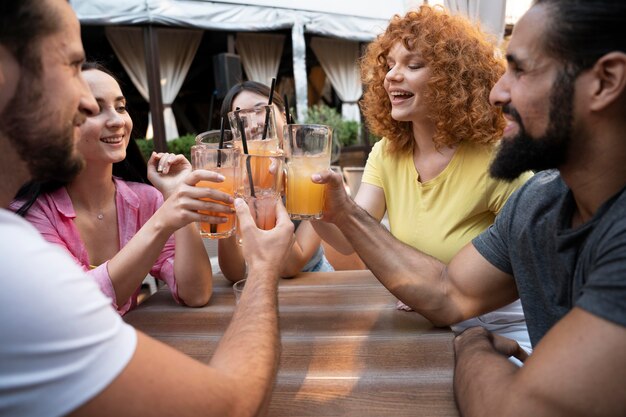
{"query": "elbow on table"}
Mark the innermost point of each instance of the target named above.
(199, 299)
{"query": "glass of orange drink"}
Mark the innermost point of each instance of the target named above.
(224, 161)
(307, 151)
(260, 185)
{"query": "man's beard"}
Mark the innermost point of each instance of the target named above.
(523, 152)
(34, 129)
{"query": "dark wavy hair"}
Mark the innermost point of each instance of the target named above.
(132, 168)
(253, 87)
(582, 31)
(463, 66)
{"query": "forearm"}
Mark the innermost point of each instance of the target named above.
(417, 279)
(128, 268)
(192, 267)
(483, 380)
(332, 235)
(306, 244)
(251, 344)
(231, 260)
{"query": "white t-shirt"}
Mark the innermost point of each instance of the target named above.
(61, 343)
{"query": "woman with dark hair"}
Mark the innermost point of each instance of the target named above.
(115, 224)
(307, 254)
(428, 79)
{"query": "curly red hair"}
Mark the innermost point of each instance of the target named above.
(463, 67)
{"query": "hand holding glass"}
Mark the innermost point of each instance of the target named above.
(260, 185)
(224, 162)
(307, 150)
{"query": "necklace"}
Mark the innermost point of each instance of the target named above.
(100, 216)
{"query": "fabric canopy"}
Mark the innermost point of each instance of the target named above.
(215, 15)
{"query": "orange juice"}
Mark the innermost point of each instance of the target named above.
(260, 167)
(305, 199)
(263, 209)
(220, 230)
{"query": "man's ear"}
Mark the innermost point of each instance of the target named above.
(609, 84)
(9, 76)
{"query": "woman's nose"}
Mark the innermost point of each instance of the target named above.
(115, 119)
(394, 74)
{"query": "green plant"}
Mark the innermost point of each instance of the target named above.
(146, 147)
(346, 132)
(181, 145)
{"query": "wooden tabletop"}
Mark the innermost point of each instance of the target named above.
(347, 351)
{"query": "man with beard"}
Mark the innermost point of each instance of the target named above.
(61, 356)
(559, 242)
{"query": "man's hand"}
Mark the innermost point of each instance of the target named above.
(336, 200)
(264, 248)
(478, 337)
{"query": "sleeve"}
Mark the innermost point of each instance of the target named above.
(50, 225)
(499, 191)
(372, 173)
(493, 243)
(57, 353)
(604, 293)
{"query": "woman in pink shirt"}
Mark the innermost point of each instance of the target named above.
(117, 226)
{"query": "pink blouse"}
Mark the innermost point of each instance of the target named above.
(53, 215)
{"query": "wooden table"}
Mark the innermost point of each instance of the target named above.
(347, 351)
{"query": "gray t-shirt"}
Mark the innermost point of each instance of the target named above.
(557, 267)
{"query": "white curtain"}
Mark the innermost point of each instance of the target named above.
(339, 59)
(489, 13)
(177, 48)
(260, 55)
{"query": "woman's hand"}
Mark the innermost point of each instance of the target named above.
(188, 203)
(166, 171)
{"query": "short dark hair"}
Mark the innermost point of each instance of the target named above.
(253, 87)
(23, 24)
(582, 31)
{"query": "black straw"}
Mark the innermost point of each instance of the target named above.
(244, 142)
(289, 119)
(267, 111)
(221, 144)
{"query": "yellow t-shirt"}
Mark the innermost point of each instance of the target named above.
(442, 215)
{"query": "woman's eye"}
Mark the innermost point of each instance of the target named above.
(121, 109)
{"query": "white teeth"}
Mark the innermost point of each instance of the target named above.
(400, 93)
(112, 140)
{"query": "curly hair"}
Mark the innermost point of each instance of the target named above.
(463, 67)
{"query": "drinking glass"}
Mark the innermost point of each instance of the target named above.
(307, 151)
(225, 162)
(260, 185)
(259, 126)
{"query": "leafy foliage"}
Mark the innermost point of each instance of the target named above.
(181, 145)
(346, 132)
